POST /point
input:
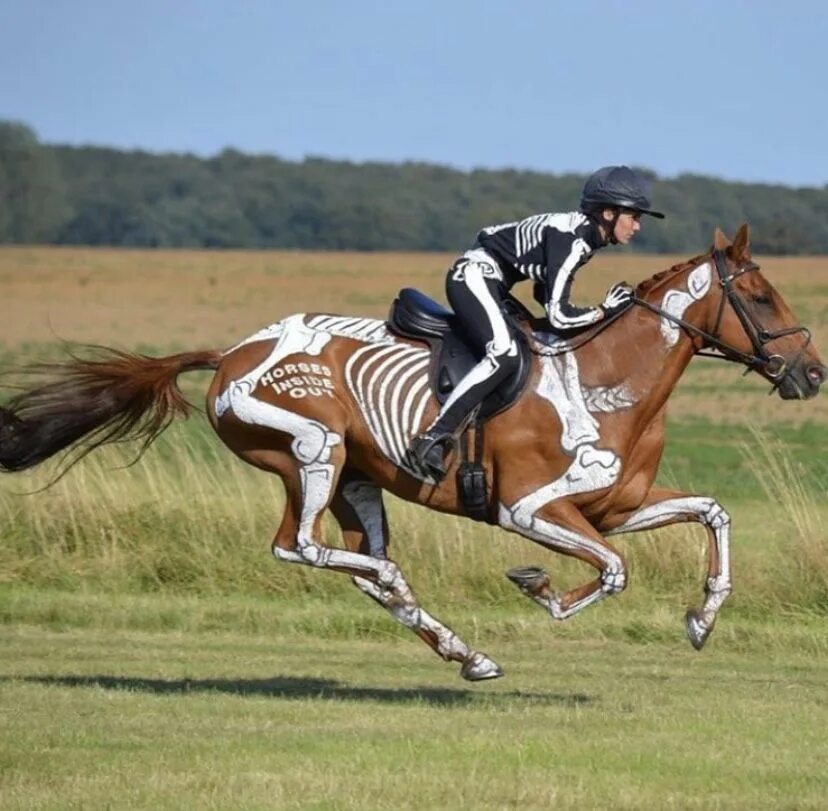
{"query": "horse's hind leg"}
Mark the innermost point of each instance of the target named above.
(310, 464)
(358, 508)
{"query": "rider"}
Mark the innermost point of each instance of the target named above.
(547, 249)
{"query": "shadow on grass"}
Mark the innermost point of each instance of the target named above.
(303, 688)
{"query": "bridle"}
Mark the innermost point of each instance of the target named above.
(772, 366)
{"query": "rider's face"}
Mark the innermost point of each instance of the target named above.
(627, 226)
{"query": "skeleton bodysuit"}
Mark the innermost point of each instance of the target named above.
(548, 249)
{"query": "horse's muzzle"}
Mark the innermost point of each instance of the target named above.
(803, 381)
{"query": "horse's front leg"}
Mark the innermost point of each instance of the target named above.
(561, 527)
(662, 507)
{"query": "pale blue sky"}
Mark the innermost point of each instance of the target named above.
(732, 88)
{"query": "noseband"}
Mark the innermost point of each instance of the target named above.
(773, 366)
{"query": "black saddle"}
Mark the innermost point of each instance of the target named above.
(415, 315)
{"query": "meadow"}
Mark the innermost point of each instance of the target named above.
(154, 656)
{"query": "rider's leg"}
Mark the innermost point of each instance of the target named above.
(475, 291)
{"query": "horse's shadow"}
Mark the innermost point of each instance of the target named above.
(290, 687)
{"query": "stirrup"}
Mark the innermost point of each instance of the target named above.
(427, 453)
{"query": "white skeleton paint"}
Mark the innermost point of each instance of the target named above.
(708, 512)
(676, 302)
(369, 330)
(592, 468)
(559, 384)
(521, 518)
(312, 440)
(311, 447)
(607, 399)
(390, 386)
(388, 380)
(395, 595)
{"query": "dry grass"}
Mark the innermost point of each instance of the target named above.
(172, 300)
(191, 518)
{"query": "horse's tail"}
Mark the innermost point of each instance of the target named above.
(85, 403)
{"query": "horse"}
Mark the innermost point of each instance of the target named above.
(329, 404)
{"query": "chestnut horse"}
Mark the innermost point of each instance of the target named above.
(330, 403)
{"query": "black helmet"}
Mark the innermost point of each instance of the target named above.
(617, 186)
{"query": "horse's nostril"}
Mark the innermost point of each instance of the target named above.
(817, 374)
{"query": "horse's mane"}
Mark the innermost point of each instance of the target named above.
(664, 275)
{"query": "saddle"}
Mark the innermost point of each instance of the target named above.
(415, 315)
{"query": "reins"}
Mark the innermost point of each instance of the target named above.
(584, 339)
(774, 366)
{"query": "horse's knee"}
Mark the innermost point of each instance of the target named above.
(715, 516)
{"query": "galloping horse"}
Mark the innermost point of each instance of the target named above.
(330, 403)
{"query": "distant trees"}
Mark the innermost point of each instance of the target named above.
(95, 196)
(33, 202)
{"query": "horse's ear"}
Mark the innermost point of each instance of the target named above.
(720, 241)
(741, 243)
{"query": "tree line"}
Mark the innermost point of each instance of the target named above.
(52, 194)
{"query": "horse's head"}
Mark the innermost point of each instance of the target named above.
(752, 320)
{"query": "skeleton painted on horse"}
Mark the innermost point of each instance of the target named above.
(330, 403)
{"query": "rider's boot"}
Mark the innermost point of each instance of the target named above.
(427, 454)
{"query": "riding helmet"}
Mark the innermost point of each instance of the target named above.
(617, 186)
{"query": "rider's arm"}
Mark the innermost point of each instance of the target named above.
(565, 252)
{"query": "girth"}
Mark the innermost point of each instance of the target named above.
(415, 315)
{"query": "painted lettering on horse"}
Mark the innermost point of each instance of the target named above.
(571, 464)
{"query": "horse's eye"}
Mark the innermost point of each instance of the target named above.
(762, 298)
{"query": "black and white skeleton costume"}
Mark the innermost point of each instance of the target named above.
(547, 249)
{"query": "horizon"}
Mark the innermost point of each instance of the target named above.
(413, 162)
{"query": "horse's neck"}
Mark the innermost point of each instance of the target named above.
(649, 352)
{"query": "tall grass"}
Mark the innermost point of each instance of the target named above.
(800, 559)
(190, 518)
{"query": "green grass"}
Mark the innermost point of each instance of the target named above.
(191, 518)
(279, 717)
(716, 459)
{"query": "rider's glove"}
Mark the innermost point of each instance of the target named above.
(618, 298)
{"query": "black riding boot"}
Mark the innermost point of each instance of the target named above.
(427, 453)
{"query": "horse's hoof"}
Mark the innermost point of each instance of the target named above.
(697, 630)
(529, 579)
(479, 667)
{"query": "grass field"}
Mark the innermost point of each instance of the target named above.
(119, 718)
(153, 656)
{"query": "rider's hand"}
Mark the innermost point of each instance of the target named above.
(618, 298)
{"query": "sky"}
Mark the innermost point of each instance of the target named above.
(732, 89)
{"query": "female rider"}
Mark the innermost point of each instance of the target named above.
(547, 249)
